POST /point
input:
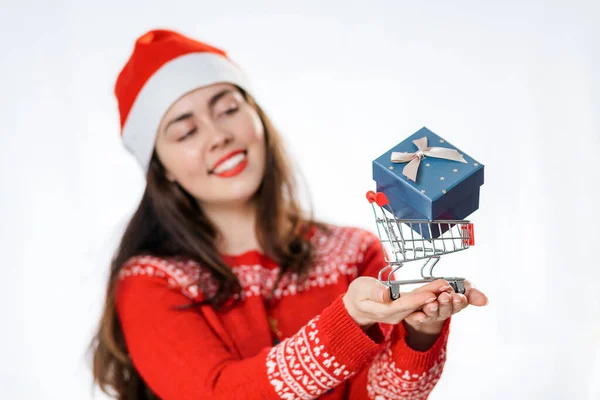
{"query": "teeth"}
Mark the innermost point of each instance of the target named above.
(230, 163)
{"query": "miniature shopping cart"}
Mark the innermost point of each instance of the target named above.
(404, 240)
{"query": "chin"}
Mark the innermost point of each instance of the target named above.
(239, 194)
(244, 195)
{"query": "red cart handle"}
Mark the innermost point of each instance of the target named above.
(380, 198)
(471, 231)
(371, 196)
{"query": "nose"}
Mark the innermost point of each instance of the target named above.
(219, 137)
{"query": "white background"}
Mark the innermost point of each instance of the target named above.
(514, 84)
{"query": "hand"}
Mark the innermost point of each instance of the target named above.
(368, 301)
(431, 318)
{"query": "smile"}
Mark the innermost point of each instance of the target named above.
(231, 165)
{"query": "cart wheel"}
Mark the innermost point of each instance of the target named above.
(458, 286)
(394, 292)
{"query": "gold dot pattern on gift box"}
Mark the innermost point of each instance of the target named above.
(449, 180)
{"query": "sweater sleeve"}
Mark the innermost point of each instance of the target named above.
(398, 372)
(179, 356)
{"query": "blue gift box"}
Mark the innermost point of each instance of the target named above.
(444, 189)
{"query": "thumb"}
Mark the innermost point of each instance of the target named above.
(376, 291)
(475, 297)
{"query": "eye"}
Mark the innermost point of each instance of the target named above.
(232, 111)
(182, 138)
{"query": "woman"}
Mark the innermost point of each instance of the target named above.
(221, 287)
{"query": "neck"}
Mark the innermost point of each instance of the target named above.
(236, 225)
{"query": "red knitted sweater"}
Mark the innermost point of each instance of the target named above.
(319, 350)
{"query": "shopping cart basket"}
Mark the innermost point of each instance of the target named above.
(402, 243)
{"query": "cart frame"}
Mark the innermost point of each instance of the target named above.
(405, 246)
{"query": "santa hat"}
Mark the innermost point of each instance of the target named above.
(164, 66)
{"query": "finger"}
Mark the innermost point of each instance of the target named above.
(439, 285)
(399, 309)
(459, 302)
(412, 301)
(416, 318)
(474, 296)
(477, 298)
(446, 307)
(431, 310)
(448, 289)
(386, 313)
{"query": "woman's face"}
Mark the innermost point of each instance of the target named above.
(211, 141)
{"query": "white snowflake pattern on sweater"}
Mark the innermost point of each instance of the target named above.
(337, 254)
(299, 368)
(386, 381)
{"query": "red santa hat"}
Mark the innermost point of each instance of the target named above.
(164, 66)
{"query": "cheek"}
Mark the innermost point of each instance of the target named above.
(258, 142)
(259, 129)
(184, 162)
(192, 161)
(252, 131)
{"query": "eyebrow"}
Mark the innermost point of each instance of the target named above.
(211, 103)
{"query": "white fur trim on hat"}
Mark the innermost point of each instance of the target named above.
(173, 80)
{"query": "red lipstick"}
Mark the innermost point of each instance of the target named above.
(233, 171)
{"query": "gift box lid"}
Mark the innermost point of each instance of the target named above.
(440, 183)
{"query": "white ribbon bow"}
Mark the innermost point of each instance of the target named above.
(414, 159)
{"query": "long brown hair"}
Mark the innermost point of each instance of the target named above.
(168, 222)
